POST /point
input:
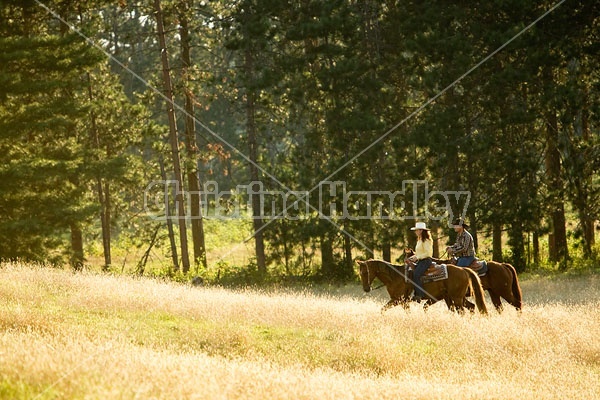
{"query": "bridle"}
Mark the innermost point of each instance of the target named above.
(377, 287)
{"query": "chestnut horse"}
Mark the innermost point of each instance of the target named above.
(500, 281)
(399, 286)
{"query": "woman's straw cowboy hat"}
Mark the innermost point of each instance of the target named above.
(419, 225)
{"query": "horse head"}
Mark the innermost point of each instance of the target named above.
(366, 278)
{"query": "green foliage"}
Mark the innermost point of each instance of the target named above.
(65, 125)
(330, 80)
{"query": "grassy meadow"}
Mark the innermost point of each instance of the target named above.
(92, 336)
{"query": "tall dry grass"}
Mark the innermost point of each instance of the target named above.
(75, 336)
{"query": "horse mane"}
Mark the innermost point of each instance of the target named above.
(386, 267)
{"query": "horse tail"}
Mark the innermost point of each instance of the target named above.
(516, 288)
(477, 290)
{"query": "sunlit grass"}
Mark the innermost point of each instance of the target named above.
(65, 335)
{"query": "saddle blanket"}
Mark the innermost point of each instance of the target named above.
(436, 272)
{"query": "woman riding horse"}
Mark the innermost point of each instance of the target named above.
(421, 258)
(399, 283)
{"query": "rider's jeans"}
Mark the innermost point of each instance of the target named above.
(464, 261)
(420, 269)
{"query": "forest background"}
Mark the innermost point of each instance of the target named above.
(101, 99)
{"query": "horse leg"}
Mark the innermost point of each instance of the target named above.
(508, 296)
(403, 301)
(405, 304)
(515, 290)
(496, 301)
(449, 303)
(390, 304)
(511, 300)
(470, 306)
(428, 303)
(387, 306)
(459, 305)
(516, 304)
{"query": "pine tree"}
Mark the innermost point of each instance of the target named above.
(68, 133)
(173, 139)
(43, 151)
(184, 13)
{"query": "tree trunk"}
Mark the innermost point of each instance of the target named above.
(102, 190)
(586, 218)
(497, 241)
(371, 245)
(141, 266)
(471, 178)
(286, 247)
(327, 259)
(517, 245)
(558, 250)
(76, 247)
(257, 221)
(536, 248)
(170, 229)
(588, 235)
(473, 227)
(386, 251)
(348, 262)
(106, 235)
(435, 238)
(174, 140)
(191, 143)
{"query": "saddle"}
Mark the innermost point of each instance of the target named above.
(436, 272)
(479, 266)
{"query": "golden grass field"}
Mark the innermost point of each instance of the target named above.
(92, 336)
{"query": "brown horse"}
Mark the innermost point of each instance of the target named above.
(500, 281)
(400, 285)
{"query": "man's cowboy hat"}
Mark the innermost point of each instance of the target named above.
(419, 225)
(460, 222)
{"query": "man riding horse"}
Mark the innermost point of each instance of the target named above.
(498, 278)
(464, 248)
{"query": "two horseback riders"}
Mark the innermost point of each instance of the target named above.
(499, 279)
(450, 282)
(464, 249)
